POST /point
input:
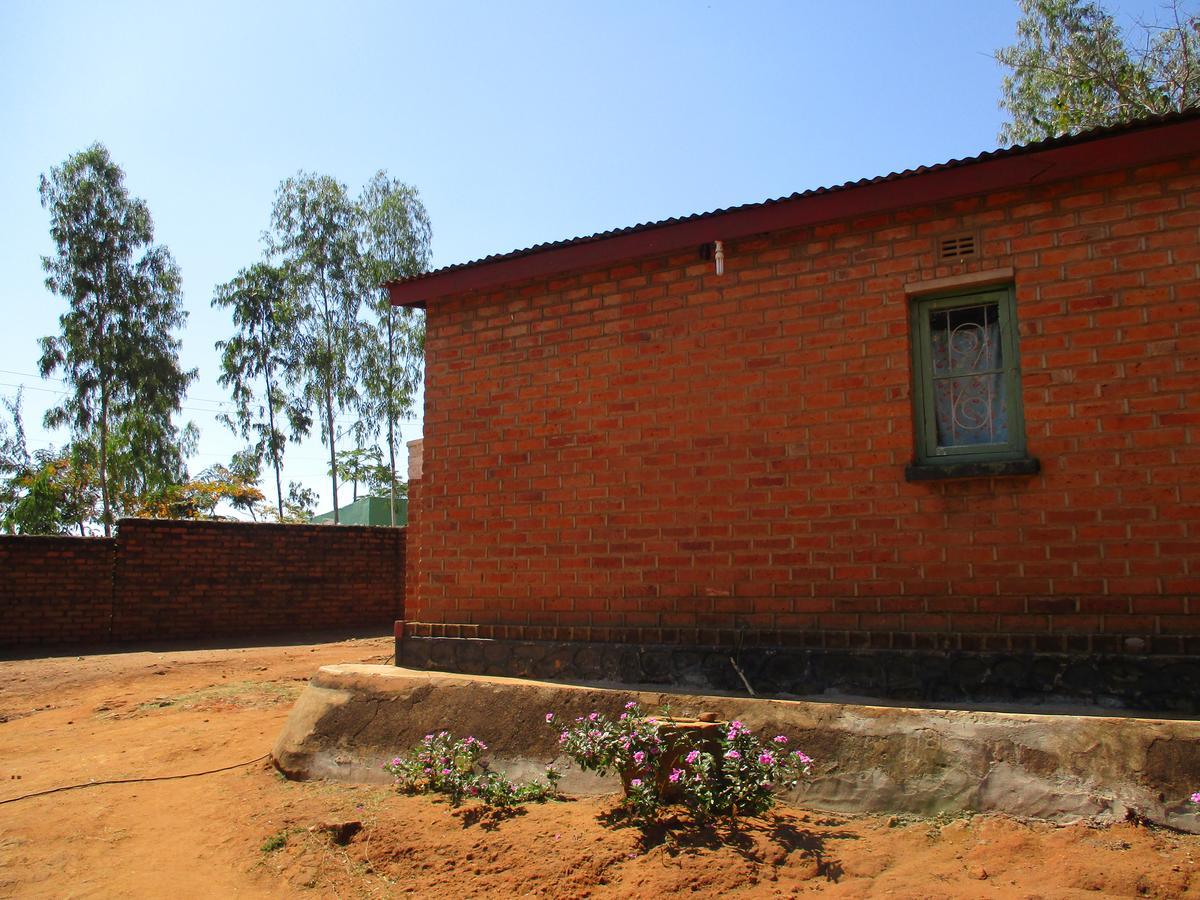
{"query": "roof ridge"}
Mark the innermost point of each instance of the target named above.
(1051, 143)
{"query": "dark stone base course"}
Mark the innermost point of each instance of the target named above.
(1146, 683)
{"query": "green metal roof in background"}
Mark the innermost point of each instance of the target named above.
(367, 511)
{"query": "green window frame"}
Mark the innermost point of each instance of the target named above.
(968, 416)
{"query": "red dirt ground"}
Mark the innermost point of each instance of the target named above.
(246, 832)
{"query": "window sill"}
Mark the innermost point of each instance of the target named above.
(1000, 468)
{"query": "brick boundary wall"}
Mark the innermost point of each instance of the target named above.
(55, 586)
(174, 580)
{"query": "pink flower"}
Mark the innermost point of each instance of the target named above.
(636, 783)
(593, 716)
(562, 738)
(632, 704)
(804, 758)
(781, 739)
(766, 759)
(1196, 797)
(676, 774)
(733, 754)
(445, 771)
(549, 717)
(639, 757)
(693, 756)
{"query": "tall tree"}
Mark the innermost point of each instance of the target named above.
(1072, 68)
(259, 301)
(117, 348)
(396, 235)
(314, 234)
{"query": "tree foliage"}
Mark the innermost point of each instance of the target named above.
(396, 236)
(303, 328)
(116, 348)
(1073, 68)
(198, 498)
(51, 491)
(358, 465)
(314, 234)
(300, 505)
(259, 351)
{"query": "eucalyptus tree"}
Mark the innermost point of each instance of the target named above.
(116, 349)
(259, 301)
(1072, 68)
(314, 234)
(396, 236)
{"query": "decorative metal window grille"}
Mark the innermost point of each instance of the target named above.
(966, 377)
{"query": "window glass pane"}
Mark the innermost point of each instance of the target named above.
(970, 402)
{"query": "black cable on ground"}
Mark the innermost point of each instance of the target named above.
(71, 787)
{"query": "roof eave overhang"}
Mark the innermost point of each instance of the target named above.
(1138, 147)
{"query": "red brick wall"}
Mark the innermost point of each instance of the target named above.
(652, 452)
(166, 580)
(50, 586)
(208, 579)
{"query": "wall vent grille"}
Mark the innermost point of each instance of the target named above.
(957, 246)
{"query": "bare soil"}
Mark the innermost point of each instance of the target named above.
(246, 832)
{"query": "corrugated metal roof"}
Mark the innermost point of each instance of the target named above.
(1019, 150)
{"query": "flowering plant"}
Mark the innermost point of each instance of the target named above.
(1196, 797)
(735, 775)
(442, 765)
(741, 778)
(630, 745)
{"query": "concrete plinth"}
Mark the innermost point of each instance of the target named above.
(352, 718)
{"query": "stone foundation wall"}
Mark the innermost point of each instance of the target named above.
(1147, 683)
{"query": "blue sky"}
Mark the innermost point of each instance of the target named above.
(519, 122)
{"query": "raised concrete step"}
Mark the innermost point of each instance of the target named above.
(877, 759)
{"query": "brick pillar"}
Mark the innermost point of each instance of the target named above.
(412, 542)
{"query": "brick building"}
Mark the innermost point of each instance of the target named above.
(930, 435)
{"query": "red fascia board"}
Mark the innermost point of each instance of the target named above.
(1087, 157)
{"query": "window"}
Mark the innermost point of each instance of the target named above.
(967, 387)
